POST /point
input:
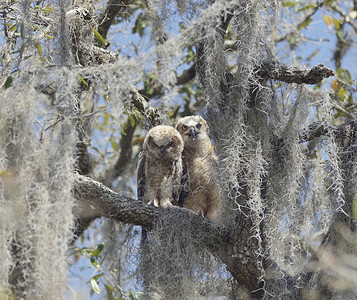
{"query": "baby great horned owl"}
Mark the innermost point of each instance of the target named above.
(201, 191)
(160, 167)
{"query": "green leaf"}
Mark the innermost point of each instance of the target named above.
(342, 93)
(106, 118)
(337, 24)
(305, 24)
(132, 295)
(109, 289)
(80, 78)
(140, 25)
(122, 129)
(99, 249)
(48, 9)
(288, 3)
(45, 33)
(340, 35)
(22, 30)
(292, 40)
(307, 7)
(100, 40)
(96, 277)
(8, 82)
(328, 20)
(114, 145)
(95, 263)
(344, 75)
(39, 48)
(131, 120)
(95, 287)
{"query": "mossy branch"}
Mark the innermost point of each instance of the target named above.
(290, 74)
(96, 200)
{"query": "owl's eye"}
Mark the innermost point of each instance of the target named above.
(184, 127)
(198, 126)
(170, 144)
(153, 143)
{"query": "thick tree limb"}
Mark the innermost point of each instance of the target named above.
(278, 71)
(110, 13)
(96, 200)
(228, 245)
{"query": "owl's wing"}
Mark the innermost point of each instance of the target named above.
(184, 186)
(141, 176)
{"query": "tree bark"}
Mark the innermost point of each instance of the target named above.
(230, 246)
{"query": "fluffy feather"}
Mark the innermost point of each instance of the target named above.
(201, 191)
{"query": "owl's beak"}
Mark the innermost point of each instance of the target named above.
(162, 151)
(193, 134)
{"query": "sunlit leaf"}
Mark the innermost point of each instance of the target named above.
(307, 7)
(131, 120)
(305, 24)
(106, 118)
(96, 277)
(95, 263)
(133, 295)
(45, 33)
(292, 40)
(95, 287)
(329, 21)
(109, 289)
(114, 145)
(100, 40)
(80, 78)
(344, 75)
(122, 129)
(39, 48)
(342, 93)
(98, 250)
(337, 24)
(288, 3)
(48, 9)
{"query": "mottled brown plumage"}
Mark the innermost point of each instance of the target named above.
(201, 191)
(160, 167)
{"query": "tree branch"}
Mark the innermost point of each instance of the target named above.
(277, 71)
(318, 129)
(152, 114)
(228, 245)
(185, 77)
(96, 200)
(111, 12)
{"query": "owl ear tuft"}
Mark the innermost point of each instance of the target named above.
(205, 123)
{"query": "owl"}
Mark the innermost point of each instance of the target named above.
(201, 190)
(160, 167)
